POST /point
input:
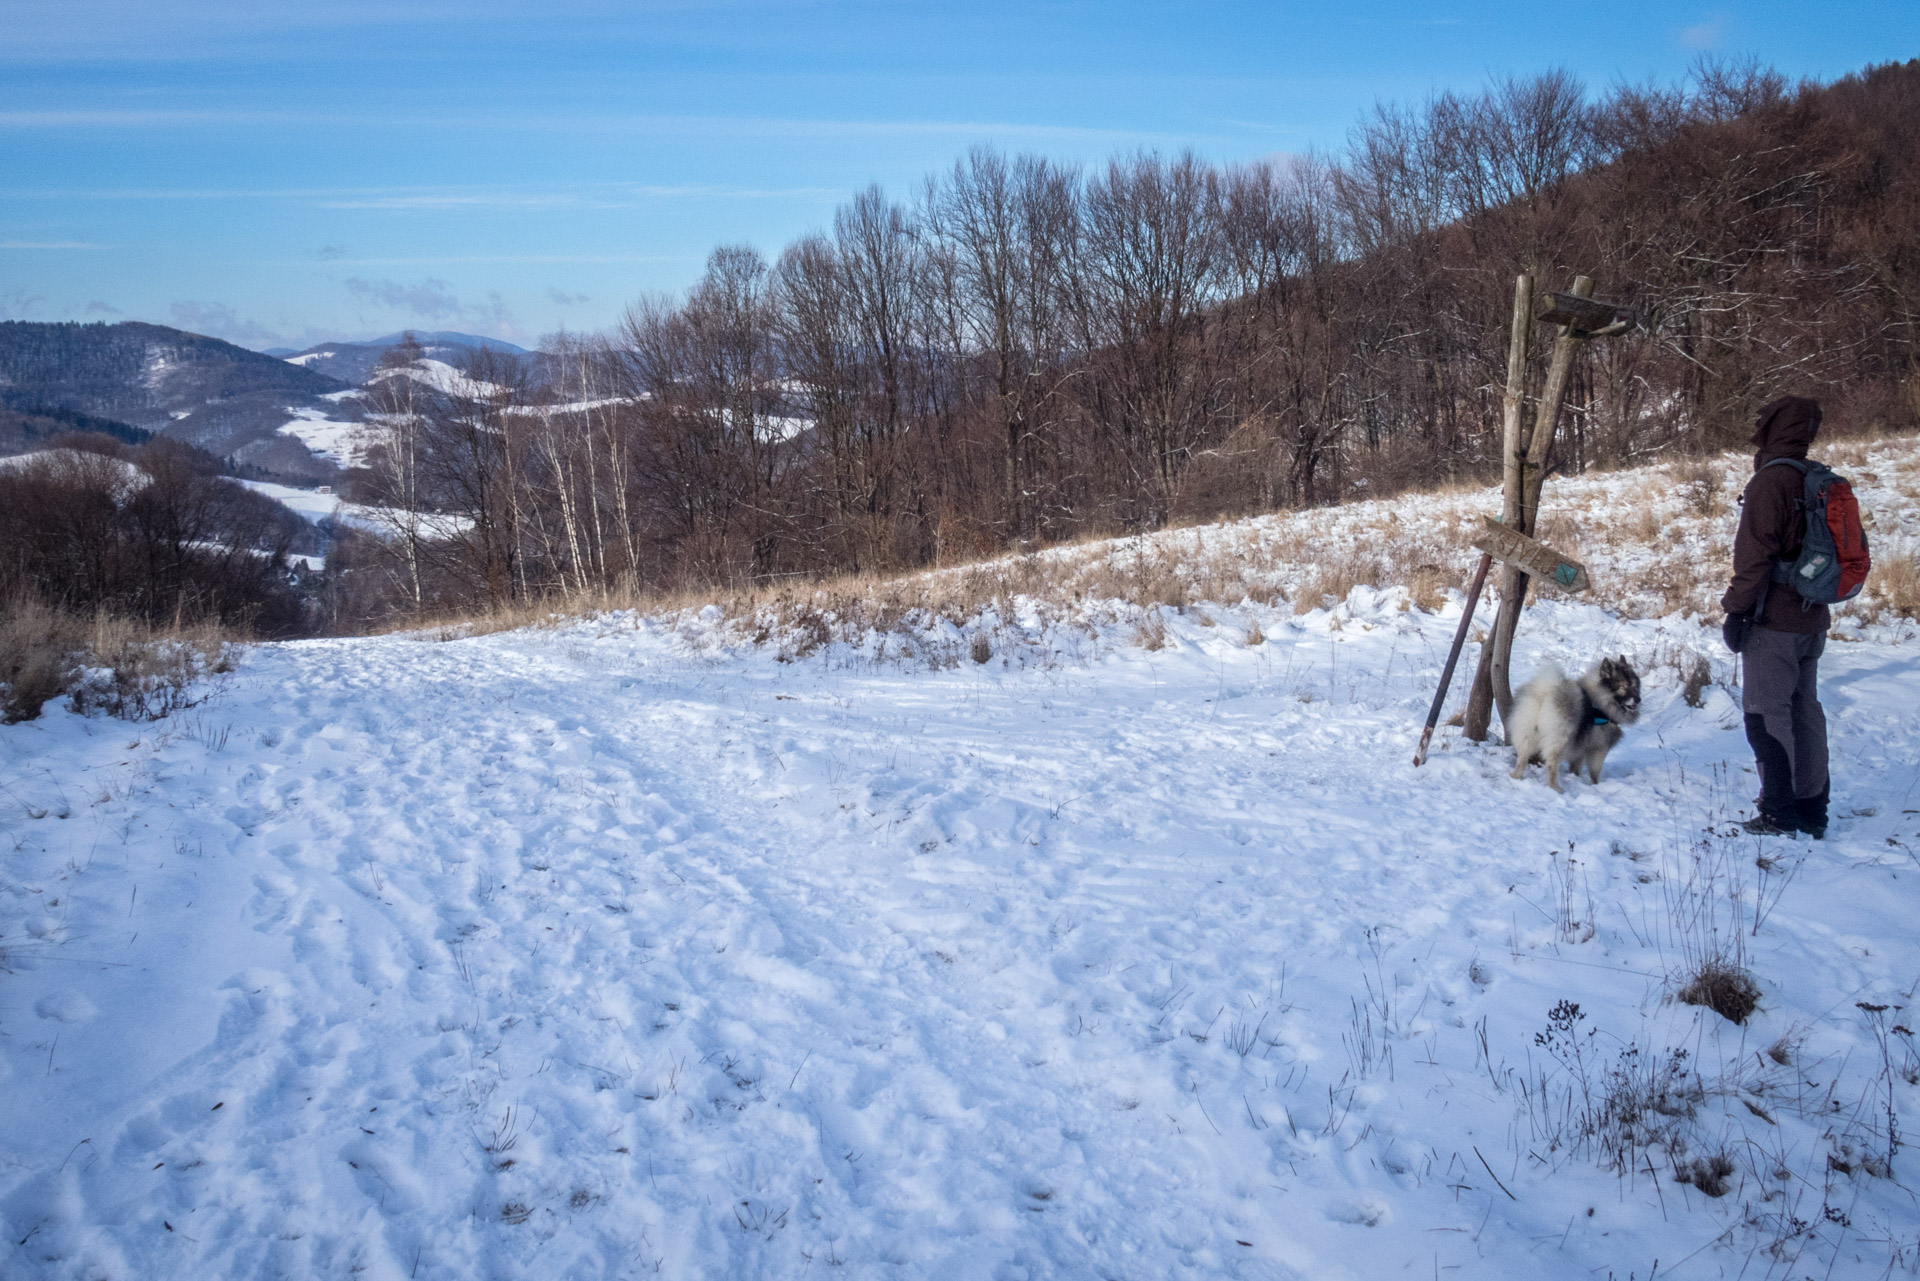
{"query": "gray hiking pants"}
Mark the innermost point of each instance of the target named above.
(1786, 725)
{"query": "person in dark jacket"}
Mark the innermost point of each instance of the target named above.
(1778, 635)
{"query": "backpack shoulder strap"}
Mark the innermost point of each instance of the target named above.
(1801, 465)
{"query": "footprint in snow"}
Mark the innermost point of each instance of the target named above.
(1363, 1208)
(66, 1007)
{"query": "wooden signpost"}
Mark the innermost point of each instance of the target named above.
(1511, 547)
(1580, 317)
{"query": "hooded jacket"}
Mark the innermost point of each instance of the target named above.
(1772, 524)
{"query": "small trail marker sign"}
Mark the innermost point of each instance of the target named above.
(1531, 556)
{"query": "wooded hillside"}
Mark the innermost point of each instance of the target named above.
(1027, 352)
(137, 372)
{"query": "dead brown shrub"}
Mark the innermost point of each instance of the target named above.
(1701, 483)
(1726, 989)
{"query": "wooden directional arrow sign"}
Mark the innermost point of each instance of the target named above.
(1532, 557)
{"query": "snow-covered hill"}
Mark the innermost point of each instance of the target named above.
(639, 944)
(355, 362)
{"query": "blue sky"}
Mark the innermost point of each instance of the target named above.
(275, 172)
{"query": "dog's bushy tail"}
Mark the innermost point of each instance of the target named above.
(1547, 674)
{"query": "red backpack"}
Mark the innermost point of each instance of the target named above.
(1833, 561)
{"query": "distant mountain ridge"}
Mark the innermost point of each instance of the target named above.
(354, 362)
(215, 395)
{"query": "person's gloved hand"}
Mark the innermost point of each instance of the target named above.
(1734, 630)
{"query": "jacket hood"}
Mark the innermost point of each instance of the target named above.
(1785, 429)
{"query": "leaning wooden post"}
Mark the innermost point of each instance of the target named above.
(1546, 415)
(1512, 450)
(1513, 444)
(1524, 471)
(1520, 508)
(1453, 656)
(1533, 476)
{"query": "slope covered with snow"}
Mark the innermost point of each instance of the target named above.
(631, 946)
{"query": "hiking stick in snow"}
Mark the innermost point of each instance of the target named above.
(1453, 656)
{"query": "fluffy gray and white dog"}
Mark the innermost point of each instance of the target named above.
(1561, 721)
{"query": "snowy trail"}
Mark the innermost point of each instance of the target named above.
(601, 951)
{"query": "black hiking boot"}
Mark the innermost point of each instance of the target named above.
(1761, 825)
(1810, 815)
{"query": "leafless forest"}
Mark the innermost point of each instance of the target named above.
(1023, 352)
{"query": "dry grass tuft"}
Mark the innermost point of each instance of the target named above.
(139, 674)
(37, 648)
(115, 666)
(1892, 588)
(1707, 1174)
(1726, 989)
(1151, 631)
(1694, 681)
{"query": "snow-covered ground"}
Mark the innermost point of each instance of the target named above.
(1091, 960)
(442, 377)
(311, 504)
(342, 442)
(387, 522)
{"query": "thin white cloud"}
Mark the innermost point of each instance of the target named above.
(176, 193)
(773, 128)
(92, 31)
(146, 117)
(221, 321)
(431, 298)
(434, 299)
(698, 192)
(1705, 34)
(450, 260)
(18, 304)
(1261, 126)
(606, 195)
(502, 200)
